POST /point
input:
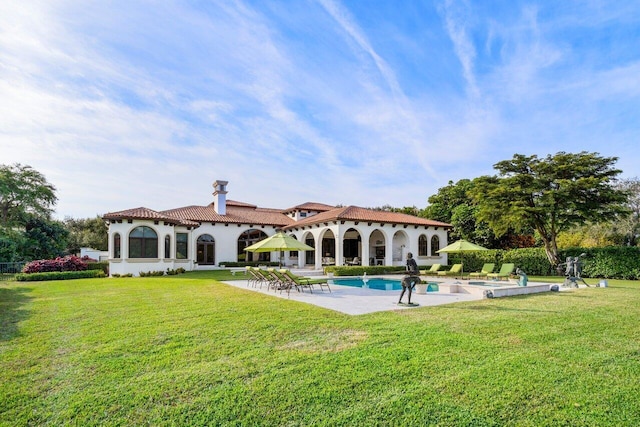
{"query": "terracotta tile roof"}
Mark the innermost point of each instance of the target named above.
(311, 206)
(243, 213)
(141, 213)
(355, 213)
(235, 215)
(196, 213)
(236, 203)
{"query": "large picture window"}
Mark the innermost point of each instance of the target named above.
(435, 245)
(422, 246)
(143, 243)
(182, 240)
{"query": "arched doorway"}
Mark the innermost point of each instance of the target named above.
(206, 250)
(352, 247)
(399, 244)
(328, 248)
(309, 255)
(377, 248)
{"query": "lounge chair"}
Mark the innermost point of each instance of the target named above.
(455, 271)
(265, 277)
(505, 271)
(434, 269)
(280, 282)
(289, 282)
(306, 281)
(254, 278)
(486, 269)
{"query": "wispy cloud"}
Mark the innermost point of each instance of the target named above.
(456, 13)
(120, 104)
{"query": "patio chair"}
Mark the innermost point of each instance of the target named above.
(434, 269)
(282, 274)
(254, 279)
(281, 283)
(454, 271)
(505, 272)
(264, 277)
(486, 269)
(307, 281)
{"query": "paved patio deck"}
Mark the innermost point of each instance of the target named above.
(354, 301)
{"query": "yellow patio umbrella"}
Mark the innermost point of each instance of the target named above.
(461, 246)
(278, 242)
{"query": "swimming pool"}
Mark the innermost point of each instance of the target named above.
(373, 283)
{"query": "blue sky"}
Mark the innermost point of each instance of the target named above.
(124, 103)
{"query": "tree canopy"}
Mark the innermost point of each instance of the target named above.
(24, 192)
(454, 205)
(26, 204)
(89, 232)
(550, 194)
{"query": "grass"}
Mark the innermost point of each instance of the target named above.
(189, 350)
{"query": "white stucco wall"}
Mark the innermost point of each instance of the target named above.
(396, 239)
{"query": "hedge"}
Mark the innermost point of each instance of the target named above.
(248, 263)
(615, 262)
(359, 270)
(99, 265)
(60, 275)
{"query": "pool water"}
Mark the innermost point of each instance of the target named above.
(373, 283)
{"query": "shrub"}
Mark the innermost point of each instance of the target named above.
(151, 273)
(59, 275)
(171, 272)
(359, 270)
(99, 265)
(68, 263)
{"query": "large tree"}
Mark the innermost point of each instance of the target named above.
(24, 193)
(45, 239)
(454, 204)
(629, 225)
(550, 194)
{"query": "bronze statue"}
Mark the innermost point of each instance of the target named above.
(411, 279)
(573, 271)
(522, 281)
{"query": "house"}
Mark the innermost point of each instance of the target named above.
(205, 237)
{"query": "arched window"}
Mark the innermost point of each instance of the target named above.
(206, 250)
(167, 246)
(435, 245)
(116, 245)
(248, 238)
(422, 245)
(143, 243)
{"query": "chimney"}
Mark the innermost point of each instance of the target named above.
(220, 197)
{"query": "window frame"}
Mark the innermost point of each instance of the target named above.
(435, 245)
(146, 245)
(423, 245)
(182, 245)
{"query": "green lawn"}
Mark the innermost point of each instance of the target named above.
(188, 350)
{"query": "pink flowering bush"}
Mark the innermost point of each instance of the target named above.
(68, 263)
